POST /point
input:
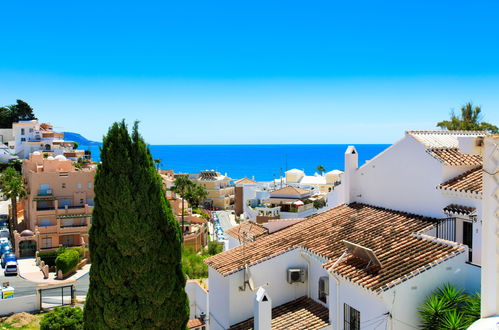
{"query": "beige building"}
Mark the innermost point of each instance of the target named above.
(220, 190)
(59, 205)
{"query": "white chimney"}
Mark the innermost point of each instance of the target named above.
(262, 310)
(490, 229)
(351, 165)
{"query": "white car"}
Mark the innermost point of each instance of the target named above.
(10, 268)
(4, 240)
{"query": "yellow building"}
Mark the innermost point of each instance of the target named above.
(220, 190)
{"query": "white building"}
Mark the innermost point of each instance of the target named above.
(424, 173)
(6, 154)
(315, 279)
(423, 186)
(30, 136)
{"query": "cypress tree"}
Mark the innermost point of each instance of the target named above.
(136, 278)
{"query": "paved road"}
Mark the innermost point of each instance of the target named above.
(25, 288)
(226, 219)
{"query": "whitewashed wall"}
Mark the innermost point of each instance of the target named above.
(404, 299)
(198, 299)
(19, 304)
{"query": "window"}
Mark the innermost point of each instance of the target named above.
(82, 201)
(323, 288)
(46, 242)
(351, 318)
(31, 130)
(63, 185)
(22, 131)
(44, 222)
(79, 185)
(90, 185)
(23, 140)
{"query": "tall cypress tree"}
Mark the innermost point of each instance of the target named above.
(136, 279)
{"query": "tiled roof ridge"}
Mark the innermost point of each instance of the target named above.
(446, 132)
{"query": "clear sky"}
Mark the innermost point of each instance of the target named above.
(225, 72)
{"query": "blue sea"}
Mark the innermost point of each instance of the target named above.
(263, 162)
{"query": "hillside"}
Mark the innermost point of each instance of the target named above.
(81, 140)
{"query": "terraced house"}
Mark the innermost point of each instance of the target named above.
(221, 193)
(59, 206)
(402, 224)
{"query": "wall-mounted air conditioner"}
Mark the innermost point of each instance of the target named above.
(296, 275)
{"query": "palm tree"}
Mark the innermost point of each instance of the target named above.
(13, 188)
(181, 186)
(157, 161)
(469, 120)
(321, 169)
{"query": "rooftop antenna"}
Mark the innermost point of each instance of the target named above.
(280, 175)
(243, 238)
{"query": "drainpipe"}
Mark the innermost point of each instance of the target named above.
(337, 289)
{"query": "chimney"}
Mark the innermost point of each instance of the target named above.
(262, 310)
(351, 165)
(490, 227)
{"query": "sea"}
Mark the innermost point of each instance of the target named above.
(263, 162)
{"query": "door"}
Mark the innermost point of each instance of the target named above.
(27, 249)
(67, 240)
(468, 237)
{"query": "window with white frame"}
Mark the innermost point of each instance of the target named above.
(351, 318)
(323, 289)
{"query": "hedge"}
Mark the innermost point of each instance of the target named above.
(67, 260)
(48, 257)
(63, 318)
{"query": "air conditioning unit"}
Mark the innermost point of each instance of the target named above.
(296, 275)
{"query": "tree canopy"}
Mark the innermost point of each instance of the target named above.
(15, 112)
(470, 119)
(136, 279)
(13, 188)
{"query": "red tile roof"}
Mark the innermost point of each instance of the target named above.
(289, 191)
(452, 157)
(470, 181)
(459, 209)
(244, 181)
(247, 231)
(390, 234)
(302, 313)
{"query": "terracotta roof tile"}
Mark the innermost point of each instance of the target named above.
(452, 157)
(244, 181)
(390, 234)
(470, 181)
(302, 313)
(289, 191)
(459, 209)
(247, 231)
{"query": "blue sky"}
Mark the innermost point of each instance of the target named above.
(216, 72)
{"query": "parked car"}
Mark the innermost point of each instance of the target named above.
(4, 221)
(7, 257)
(4, 232)
(5, 248)
(10, 268)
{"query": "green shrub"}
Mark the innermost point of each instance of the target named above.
(48, 257)
(80, 250)
(63, 318)
(215, 247)
(67, 260)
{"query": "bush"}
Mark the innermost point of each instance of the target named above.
(215, 248)
(67, 260)
(193, 264)
(63, 318)
(48, 257)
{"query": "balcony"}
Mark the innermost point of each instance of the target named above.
(52, 229)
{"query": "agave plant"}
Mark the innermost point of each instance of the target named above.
(472, 308)
(433, 311)
(453, 296)
(453, 320)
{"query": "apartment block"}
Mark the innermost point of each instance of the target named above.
(59, 205)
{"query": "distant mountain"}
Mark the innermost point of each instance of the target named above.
(78, 138)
